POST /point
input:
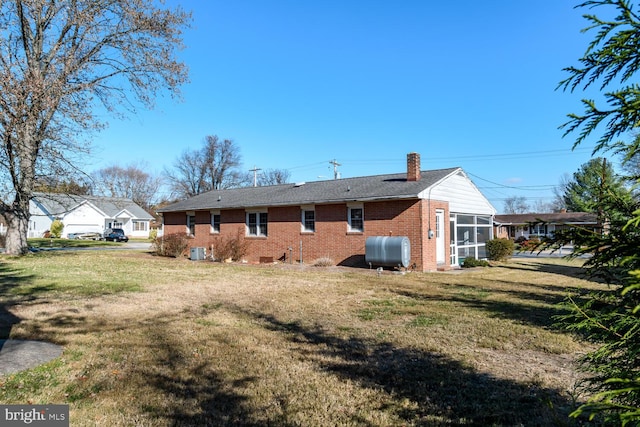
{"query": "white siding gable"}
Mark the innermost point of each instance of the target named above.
(125, 214)
(461, 193)
(39, 220)
(84, 218)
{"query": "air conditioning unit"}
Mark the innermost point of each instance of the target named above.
(197, 254)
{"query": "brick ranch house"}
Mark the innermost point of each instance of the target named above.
(538, 225)
(333, 218)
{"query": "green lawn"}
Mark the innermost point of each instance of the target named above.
(162, 342)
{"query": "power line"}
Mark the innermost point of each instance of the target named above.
(305, 166)
(524, 187)
(483, 157)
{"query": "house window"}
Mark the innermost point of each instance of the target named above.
(356, 219)
(116, 224)
(191, 224)
(309, 220)
(215, 222)
(140, 225)
(257, 224)
(538, 229)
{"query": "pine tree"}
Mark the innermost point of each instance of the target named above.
(611, 318)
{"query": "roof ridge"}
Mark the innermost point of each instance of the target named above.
(371, 187)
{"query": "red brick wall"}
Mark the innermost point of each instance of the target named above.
(429, 260)
(331, 237)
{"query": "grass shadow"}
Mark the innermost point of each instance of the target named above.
(445, 391)
(528, 303)
(10, 281)
(193, 393)
(572, 271)
(196, 394)
(526, 308)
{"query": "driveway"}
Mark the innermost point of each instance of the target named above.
(18, 355)
(135, 245)
(559, 253)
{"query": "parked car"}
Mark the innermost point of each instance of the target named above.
(115, 235)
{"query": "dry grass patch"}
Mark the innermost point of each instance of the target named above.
(200, 343)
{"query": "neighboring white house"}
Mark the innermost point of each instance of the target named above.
(87, 214)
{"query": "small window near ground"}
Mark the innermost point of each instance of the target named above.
(191, 225)
(215, 223)
(309, 221)
(356, 219)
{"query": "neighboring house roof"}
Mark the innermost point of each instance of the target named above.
(368, 188)
(550, 218)
(111, 207)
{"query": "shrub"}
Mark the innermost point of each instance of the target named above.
(500, 249)
(153, 234)
(530, 245)
(232, 247)
(171, 245)
(324, 262)
(56, 228)
(520, 239)
(470, 262)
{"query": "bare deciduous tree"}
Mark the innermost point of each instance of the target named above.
(130, 182)
(558, 192)
(61, 59)
(185, 179)
(75, 186)
(541, 206)
(274, 177)
(213, 166)
(516, 205)
(221, 160)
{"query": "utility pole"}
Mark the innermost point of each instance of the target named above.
(335, 168)
(255, 175)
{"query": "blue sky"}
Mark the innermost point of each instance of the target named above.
(297, 84)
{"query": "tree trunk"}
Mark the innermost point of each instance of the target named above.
(17, 230)
(17, 214)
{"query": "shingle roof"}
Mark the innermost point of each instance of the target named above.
(376, 187)
(557, 218)
(60, 204)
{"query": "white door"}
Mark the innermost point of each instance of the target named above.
(440, 243)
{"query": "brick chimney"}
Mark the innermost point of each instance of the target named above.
(413, 167)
